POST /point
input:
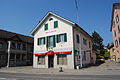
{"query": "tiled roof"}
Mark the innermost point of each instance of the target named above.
(9, 35)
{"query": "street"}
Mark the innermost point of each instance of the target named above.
(106, 71)
(19, 76)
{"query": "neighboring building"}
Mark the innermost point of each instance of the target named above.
(59, 42)
(115, 29)
(112, 52)
(15, 49)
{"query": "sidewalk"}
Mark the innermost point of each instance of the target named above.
(108, 68)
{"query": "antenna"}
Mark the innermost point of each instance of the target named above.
(77, 11)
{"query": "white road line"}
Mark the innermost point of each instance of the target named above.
(2, 78)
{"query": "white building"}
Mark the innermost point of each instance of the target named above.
(59, 42)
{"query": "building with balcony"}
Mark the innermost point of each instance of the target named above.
(115, 29)
(59, 42)
(15, 49)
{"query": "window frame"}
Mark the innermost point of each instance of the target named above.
(61, 59)
(42, 60)
(117, 18)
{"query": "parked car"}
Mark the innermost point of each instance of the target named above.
(100, 59)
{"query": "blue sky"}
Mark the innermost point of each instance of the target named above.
(21, 16)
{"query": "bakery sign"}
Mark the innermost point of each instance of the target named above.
(52, 32)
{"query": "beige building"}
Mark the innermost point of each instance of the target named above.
(59, 42)
(15, 49)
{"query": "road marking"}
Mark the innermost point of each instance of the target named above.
(2, 78)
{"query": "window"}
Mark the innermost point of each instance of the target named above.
(41, 41)
(84, 55)
(13, 46)
(56, 24)
(46, 27)
(12, 56)
(1, 45)
(114, 33)
(77, 38)
(23, 46)
(116, 43)
(113, 23)
(119, 28)
(84, 41)
(62, 38)
(18, 57)
(41, 60)
(117, 19)
(18, 46)
(51, 41)
(62, 59)
(89, 44)
(23, 57)
(119, 40)
(113, 50)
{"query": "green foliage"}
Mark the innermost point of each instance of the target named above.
(98, 43)
(106, 53)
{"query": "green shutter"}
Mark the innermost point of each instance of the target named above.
(57, 38)
(54, 42)
(56, 24)
(65, 37)
(47, 38)
(44, 40)
(46, 26)
(38, 41)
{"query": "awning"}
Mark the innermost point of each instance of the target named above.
(52, 53)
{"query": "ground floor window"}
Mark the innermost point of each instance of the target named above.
(62, 59)
(41, 60)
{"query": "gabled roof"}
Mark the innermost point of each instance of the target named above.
(66, 20)
(115, 6)
(10, 35)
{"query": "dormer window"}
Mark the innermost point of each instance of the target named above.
(117, 19)
(50, 19)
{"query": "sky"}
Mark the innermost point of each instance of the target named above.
(21, 16)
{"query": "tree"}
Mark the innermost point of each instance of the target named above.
(98, 43)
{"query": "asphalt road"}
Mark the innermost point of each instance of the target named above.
(21, 76)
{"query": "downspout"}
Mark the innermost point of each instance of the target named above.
(9, 44)
(81, 52)
(73, 46)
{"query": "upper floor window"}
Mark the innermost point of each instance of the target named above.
(89, 44)
(119, 40)
(77, 38)
(117, 19)
(84, 41)
(46, 27)
(51, 41)
(116, 43)
(113, 23)
(115, 33)
(13, 45)
(41, 41)
(55, 24)
(18, 46)
(119, 28)
(1, 45)
(24, 47)
(62, 38)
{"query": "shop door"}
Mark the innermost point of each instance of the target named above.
(50, 61)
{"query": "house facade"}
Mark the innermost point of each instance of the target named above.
(115, 29)
(59, 42)
(112, 52)
(15, 49)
